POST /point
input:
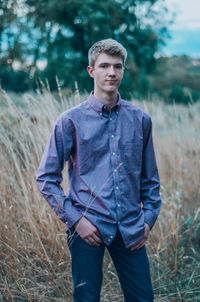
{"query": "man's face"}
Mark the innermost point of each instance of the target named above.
(107, 73)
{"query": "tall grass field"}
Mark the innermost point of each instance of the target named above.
(34, 257)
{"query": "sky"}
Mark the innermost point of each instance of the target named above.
(185, 31)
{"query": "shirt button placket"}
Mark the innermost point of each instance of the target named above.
(112, 124)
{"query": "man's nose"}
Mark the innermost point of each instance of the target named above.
(111, 70)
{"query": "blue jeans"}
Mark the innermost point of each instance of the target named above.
(132, 268)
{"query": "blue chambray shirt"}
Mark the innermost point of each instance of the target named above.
(113, 176)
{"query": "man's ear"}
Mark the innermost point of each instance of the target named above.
(90, 70)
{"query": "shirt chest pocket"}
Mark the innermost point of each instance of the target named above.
(91, 152)
(132, 151)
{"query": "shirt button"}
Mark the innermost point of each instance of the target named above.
(112, 136)
(115, 170)
(100, 113)
(113, 153)
(117, 188)
(111, 119)
(118, 205)
(111, 237)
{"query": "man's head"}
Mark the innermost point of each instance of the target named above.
(106, 66)
(108, 46)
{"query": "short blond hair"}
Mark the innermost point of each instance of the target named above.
(108, 46)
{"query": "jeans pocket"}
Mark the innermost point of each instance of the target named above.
(141, 250)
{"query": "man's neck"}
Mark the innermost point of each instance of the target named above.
(108, 99)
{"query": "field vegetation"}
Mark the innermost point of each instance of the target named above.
(34, 258)
(176, 79)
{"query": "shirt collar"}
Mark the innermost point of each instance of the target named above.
(100, 107)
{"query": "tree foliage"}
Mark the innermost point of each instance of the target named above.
(60, 33)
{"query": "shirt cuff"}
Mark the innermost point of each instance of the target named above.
(72, 218)
(149, 218)
(70, 215)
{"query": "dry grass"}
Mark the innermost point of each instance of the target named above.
(34, 258)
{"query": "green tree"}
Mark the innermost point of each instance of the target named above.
(7, 15)
(59, 34)
(67, 30)
(12, 50)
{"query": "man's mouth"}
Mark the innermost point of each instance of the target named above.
(111, 81)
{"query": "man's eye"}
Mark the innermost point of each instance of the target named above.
(104, 66)
(118, 67)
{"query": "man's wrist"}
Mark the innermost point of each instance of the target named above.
(147, 226)
(77, 222)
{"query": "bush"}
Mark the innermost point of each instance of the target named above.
(182, 95)
(17, 81)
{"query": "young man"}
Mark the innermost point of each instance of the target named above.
(113, 199)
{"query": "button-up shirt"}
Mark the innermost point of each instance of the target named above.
(113, 176)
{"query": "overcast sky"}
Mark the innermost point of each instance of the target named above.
(185, 32)
(187, 13)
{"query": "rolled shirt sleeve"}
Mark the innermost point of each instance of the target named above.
(49, 173)
(150, 183)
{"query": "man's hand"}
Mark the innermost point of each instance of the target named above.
(88, 232)
(142, 241)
